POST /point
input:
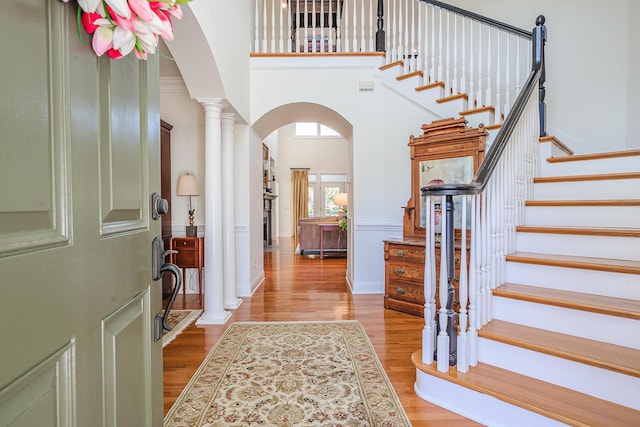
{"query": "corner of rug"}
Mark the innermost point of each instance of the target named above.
(171, 335)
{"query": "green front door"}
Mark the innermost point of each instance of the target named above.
(79, 160)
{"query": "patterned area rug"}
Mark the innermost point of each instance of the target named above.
(289, 374)
(178, 320)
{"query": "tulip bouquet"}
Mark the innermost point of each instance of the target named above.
(120, 27)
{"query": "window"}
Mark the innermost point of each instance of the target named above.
(325, 186)
(310, 129)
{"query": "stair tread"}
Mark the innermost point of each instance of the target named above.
(594, 156)
(574, 300)
(582, 231)
(587, 263)
(552, 401)
(589, 177)
(612, 357)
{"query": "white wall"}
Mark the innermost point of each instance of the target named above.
(187, 149)
(320, 155)
(592, 62)
(379, 168)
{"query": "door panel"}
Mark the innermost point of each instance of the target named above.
(79, 159)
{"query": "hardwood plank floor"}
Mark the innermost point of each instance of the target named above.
(307, 288)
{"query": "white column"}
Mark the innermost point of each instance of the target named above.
(231, 301)
(214, 313)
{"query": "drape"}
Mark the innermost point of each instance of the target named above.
(299, 197)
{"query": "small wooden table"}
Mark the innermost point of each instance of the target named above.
(326, 227)
(190, 254)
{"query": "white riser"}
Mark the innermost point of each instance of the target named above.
(588, 190)
(583, 216)
(611, 329)
(584, 167)
(617, 285)
(479, 407)
(578, 245)
(597, 382)
(452, 108)
(408, 85)
(485, 118)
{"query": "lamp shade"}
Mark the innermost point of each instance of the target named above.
(340, 199)
(188, 186)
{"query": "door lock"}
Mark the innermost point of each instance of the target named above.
(159, 206)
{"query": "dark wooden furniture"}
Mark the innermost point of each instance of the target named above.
(190, 254)
(447, 150)
(165, 193)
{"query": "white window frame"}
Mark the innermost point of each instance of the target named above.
(319, 181)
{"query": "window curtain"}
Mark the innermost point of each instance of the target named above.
(299, 197)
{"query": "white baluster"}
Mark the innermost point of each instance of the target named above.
(463, 62)
(400, 45)
(289, 28)
(479, 88)
(339, 28)
(363, 43)
(440, 47)
(256, 41)
(265, 46)
(273, 26)
(447, 56)
(314, 44)
(498, 102)
(420, 47)
(429, 331)
(355, 27)
(346, 27)
(518, 71)
(330, 26)
(406, 48)
(472, 65)
(488, 98)
(443, 337)
(507, 84)
(463, 361)
(322, 47)
(372, 26)
(433, 76)
(474, 279)
(413, 50)
(455, 86)
(393, 25)
(425, 47)
(305, 40)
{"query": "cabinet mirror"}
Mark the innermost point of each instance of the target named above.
(448, 152)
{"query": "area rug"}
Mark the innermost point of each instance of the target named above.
(178, 320)
(289, 374)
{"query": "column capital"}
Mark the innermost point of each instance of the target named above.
(211, 103)
(228, 116)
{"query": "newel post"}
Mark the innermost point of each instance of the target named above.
(380, 42)
(539, 41)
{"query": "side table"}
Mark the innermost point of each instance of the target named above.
(190, 254)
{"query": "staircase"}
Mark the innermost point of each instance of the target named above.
(563, 347)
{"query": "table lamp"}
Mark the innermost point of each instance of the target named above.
(188, 186)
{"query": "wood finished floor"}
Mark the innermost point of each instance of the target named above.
(307, 288)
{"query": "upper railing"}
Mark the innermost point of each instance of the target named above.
(486, 60)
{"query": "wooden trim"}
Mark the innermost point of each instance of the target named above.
(607, 356)
(488, 109)
(430, 86)
(595, 156)
(549, 400)
(555, 141)
(453, 98)
(580, 231)
(594, 177)
(493, 126)
(303, 54)
(610, 306)
(585, 263)
(391, 65)
(410, 75)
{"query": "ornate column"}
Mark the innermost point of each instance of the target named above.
(214, 313)
(231, 301)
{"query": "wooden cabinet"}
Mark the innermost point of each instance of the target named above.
(447, 152)
(404, 275)
(189, 254)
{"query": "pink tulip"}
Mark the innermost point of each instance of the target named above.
(89, 5)
(175, 11)
(140, 54)
(115, 54)
(121, 7)
(123, 40)
(120, 20)
(102, 40)
(89, 21)
(142, 9)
